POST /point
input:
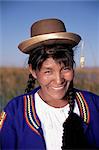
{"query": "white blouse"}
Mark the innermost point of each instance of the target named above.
(52, 120)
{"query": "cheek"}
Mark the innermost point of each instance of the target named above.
(69, 76)
(42, 80)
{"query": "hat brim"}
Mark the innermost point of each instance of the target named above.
(47, 39)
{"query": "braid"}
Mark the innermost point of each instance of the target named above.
(30, 84)
(71, 97)
(73, 133)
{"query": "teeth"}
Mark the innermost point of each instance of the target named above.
(57, 88)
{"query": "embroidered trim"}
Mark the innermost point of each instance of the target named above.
(2, 118)
(34, 114)
(84, 110)
(30, 115)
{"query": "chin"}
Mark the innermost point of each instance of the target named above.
(58, 96)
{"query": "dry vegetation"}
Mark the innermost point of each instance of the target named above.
(87, 79)
(13, 82)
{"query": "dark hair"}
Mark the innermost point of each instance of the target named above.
(60, 53)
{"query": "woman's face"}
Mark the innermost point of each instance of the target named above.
(54, 79)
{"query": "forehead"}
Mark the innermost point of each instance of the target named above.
(51, 63)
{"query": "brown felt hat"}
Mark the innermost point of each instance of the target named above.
(46, 32)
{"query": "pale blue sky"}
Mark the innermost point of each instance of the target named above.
(16, 18)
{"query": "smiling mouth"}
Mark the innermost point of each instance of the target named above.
(58, 88)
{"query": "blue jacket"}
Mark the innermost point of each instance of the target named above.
(21, 127)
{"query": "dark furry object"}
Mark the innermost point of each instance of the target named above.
(73, 134)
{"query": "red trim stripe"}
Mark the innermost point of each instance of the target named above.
(84, 110)
(1, 124)
(33, 110)
(87, 109)
(26, 118)
(79, 104)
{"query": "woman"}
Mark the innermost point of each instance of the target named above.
(53, 116)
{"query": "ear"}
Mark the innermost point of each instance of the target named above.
(33, 72)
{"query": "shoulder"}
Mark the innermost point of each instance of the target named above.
(90, 98)
(14, 108)
(17, 102)
(87, 93)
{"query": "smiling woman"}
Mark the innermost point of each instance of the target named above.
(55, 115)
(54, 72)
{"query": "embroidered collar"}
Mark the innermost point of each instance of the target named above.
(33, 121)
(30, 113)
(83, 107)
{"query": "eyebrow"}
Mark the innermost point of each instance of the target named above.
(47, 68)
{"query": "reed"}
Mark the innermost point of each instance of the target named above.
(13, 82)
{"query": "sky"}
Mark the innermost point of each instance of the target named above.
(16, 18)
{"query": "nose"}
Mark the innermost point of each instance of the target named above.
(59, 79)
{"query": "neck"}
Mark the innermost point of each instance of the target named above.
(57, 103)
(54, 103)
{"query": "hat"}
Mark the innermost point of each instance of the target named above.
(46, 32)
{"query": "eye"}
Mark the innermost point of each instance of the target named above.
(47, 72)
(67, 69)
